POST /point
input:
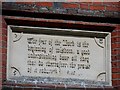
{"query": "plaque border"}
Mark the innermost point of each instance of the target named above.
(106, 35)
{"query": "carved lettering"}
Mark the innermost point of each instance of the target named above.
(55, 56)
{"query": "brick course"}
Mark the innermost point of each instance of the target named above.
(92, 7)
(44, 4)
(68, 5)
(84, 6)
(68, 8)
(108, 9)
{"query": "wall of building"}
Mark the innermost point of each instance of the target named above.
(91, 15)
(101, 9)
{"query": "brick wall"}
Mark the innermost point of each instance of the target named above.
(100, 10)
(116, 56)
(3, 50)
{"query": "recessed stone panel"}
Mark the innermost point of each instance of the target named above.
(57, 56)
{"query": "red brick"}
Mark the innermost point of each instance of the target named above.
(2, 17)
(119, 63)
(4, 31)
(4, 56)
(111, 3)
(119, 82)
(84, 6)
(110, 8)
(116, 57)
(117, 33)
(3, 50)
(114, 70)
(3, 63)
(2, 69)
(117, 27)
(97, 0)
(116, 52)
(115, 76)
(114, 34)
(3, 38)
(115, 64)
(24, 85)
(115, 82)
(68, 5)
(4, 25)
(115, 39)
(3, 44)
(116, 45)
(97, 7)
(44, 4)
(97, 3)
(90, 3)
(4, 76)
(118, 88)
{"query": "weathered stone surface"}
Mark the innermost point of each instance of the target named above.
(57, 59)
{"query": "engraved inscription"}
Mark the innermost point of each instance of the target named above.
(53, 56)
(42, 55)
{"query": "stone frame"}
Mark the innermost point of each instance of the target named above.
(107, 36)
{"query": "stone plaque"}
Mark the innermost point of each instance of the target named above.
(56, 56)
